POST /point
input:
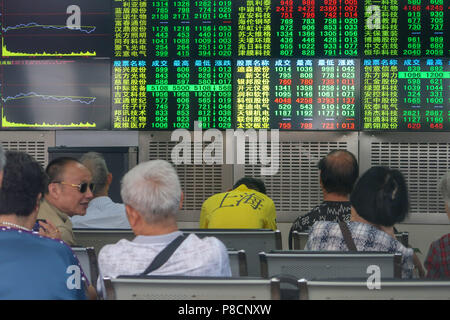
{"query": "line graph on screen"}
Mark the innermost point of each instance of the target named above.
(51, 28)
(55, 94)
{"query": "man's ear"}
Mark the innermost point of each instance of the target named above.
(109, 178)
(320, 181)
(181, 200)
(132, 215)
(54, 190)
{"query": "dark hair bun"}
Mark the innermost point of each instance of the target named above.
(381, 196)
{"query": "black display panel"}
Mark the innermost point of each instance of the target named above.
(241, 28)
(55, 94)
(316, 28)
(287, 94)
(407, 28)
(406, 94)
(172, 94)
(229, 63)
(54, 28)
(173, 29)
(297, 94)
(273, 37)
(280, 28)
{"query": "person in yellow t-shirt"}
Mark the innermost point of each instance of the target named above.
(245, 207)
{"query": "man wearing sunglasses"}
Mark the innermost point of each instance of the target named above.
(68, 194)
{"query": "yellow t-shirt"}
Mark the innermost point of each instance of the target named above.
(241, 208)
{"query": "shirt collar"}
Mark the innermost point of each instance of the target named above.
(100, 201)
(61, 214)
(164, 238)
(243, 187)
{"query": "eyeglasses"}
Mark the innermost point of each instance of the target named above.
(82, 187)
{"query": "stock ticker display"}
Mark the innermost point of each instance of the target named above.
(262, 64)
(297, 94)
(406, 94)
(172, 94)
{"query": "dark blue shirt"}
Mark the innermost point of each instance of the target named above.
(38, 268)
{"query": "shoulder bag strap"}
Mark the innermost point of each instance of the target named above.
(164, 255)
(347, 236)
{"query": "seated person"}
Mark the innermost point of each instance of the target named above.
(338, 174)
(68, 193)
(152, 195)
(102, 212)
(33, 266)
(245, 207)
(437, 262)
(379, 200)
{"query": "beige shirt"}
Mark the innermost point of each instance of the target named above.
(59, 219)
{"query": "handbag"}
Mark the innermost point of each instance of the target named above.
(347, 236)
(164, 255)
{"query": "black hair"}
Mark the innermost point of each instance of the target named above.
(251, 183)
(381, 196)
(23, 180)
(55, 169)
(339, 172)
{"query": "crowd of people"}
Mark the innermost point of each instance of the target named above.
(38, 210)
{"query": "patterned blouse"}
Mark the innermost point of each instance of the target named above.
(438, 259)
(327, 211)
(327, 236)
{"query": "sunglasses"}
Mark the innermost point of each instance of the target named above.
(82, 187)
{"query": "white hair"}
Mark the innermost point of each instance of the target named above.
(153, 189)
(445, 187)
(96, 164)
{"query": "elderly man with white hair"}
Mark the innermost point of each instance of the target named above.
(102, 212)
(152, 196)
(437, 262)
